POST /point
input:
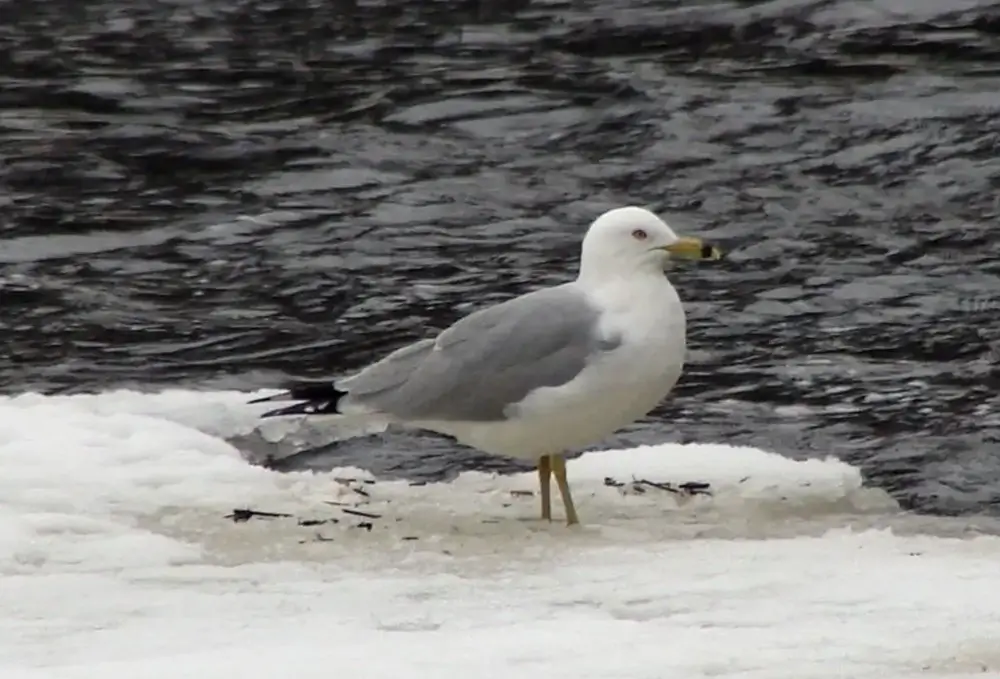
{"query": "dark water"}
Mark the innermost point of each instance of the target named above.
(221, 193)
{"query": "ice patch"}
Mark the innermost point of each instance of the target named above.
(124, 460)
(870, 605)
(116, 560)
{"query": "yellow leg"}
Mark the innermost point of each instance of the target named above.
(559, 471)
(544, 476)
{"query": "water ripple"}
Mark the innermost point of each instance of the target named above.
(240, 190)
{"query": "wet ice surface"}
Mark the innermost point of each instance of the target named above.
(222, 194)
(122, 564)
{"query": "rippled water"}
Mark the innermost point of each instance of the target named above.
(222, 193)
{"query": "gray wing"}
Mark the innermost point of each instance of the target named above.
(487, 361)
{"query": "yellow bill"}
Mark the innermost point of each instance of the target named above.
(689, 247)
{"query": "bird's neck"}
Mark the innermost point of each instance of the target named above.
(627, 293)
(605, 273)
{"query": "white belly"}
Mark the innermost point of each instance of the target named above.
(568, 426)
(619, 388)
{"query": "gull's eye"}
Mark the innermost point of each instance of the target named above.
(639, 234)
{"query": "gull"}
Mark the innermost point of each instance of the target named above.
(541, 374)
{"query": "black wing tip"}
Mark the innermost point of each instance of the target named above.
(305, 408)
(317, 398)
(283, 396)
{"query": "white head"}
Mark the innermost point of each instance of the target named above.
(629, 240)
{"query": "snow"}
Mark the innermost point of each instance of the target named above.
(116, 561)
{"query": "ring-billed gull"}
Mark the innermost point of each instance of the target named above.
(552, 370)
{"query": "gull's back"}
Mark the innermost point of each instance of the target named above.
(478, 369)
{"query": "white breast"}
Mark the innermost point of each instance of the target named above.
(650, 319)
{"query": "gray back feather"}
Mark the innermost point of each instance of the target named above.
(487, 361)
